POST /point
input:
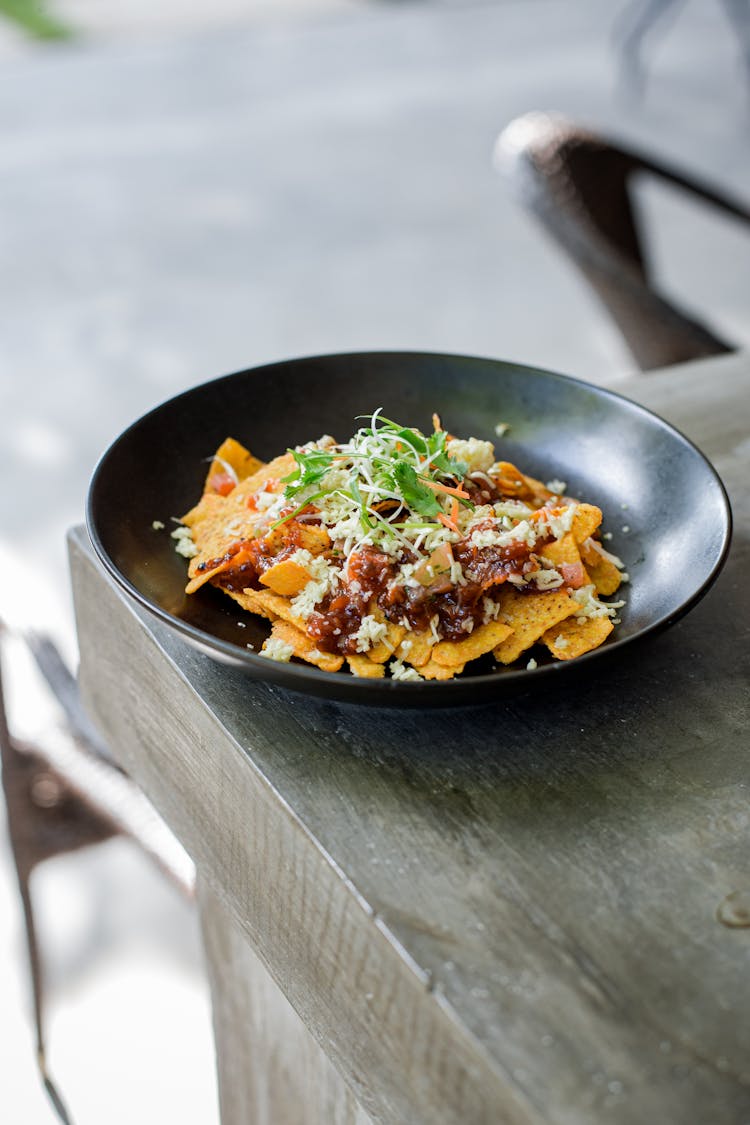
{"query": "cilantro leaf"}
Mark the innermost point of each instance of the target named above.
(441, 459)
(364, 518)
(405, 434)
(417, 496)
(311, 468)
(292, 515)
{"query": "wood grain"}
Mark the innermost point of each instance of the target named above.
(500, 915)
(271, 1070)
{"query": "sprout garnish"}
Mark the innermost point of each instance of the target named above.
(384, 466)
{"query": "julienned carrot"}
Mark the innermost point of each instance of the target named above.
(454, 512)
(447, 522)
(542, 513)
(433, 484)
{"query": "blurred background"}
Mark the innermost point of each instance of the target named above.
(188, 189)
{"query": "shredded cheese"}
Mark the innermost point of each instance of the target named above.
(370, 632)
(276, 649)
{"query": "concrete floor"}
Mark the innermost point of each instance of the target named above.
(184, 200)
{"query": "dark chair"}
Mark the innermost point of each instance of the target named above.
(640, 20)
(578, 186)
(64, 795)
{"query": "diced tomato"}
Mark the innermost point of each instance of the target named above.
(269, 486)
(573, 574)
(221, 483)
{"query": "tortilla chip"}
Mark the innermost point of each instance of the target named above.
(572, 638)
(311, 538)
(214, 532)
(269, 605)
(237, 457)
(563, 550)
(251, 604)
(364, 668)
(601, 570)
(479, 641)
(540, 494)
(434, 671)
(530, 616)
(305, 648)
(511, 482)
(416, 648)
(241, 599)
(217, 522)
(585, 521)
(385, 649)
(287, 578)
(205, 576)
(273, 471)
(206, 510)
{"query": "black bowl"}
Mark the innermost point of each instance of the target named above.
(645, 476)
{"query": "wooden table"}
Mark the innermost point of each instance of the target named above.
(529, 912)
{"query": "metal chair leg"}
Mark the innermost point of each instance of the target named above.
(63, 796)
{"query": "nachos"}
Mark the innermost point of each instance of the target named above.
(402, 553)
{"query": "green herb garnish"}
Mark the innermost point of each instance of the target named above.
(383, 462)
